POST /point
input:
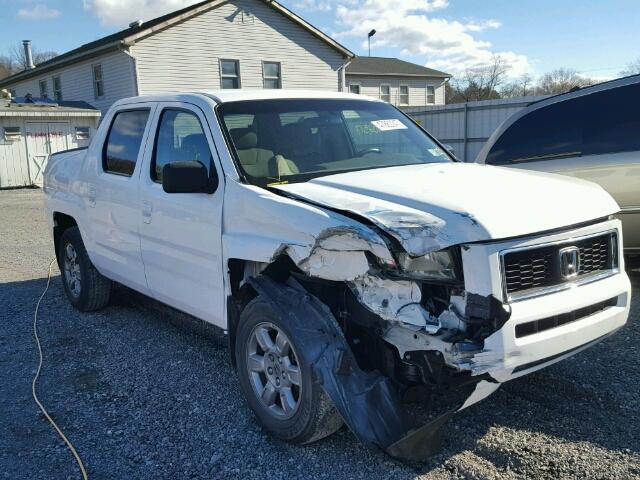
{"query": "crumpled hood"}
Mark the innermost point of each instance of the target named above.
(430, 207)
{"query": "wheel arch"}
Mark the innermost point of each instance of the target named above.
(61, 222)
(242, 291)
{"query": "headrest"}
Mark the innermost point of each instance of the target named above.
(195, 141)
(244, 138)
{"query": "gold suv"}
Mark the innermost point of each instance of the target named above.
(592, 133)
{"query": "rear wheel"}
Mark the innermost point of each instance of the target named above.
(86, 288)
(277, 381)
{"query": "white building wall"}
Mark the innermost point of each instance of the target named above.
(370, 86)
(77, 81)
(186, 56)
(16, 170)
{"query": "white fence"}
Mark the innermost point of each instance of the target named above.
(467, 126)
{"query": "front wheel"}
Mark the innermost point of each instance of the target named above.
(86, 288)
(277, 381)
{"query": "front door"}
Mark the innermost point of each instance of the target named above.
(181, 234)
(44, 139)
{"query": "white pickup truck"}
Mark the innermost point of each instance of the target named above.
(350, 258)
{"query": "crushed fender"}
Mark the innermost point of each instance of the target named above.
(369, 402)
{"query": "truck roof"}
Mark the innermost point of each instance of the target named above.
(224, 96)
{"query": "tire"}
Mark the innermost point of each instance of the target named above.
(632, 262)
(314, 415)
(86, 288)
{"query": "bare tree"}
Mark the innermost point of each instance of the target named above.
(521, 87)
(6, 66)
(632, 68)
(560, 81)
(19, 58)
(479, 83)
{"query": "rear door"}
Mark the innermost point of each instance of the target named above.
(113, 201)
(180, 234)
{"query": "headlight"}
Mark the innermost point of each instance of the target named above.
(435, 265)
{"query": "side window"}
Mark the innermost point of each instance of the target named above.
(431, 94)
(612, 121)
(180, 138)
(271, 75)
(98, 82)
(550, 132)
(229, 74)
(123, 142)
(403, 95)
(57, 89)
(43, 89)
(385, 93)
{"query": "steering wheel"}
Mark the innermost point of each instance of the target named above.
(362, 153)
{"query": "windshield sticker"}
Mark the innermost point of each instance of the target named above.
(436, 152)
(391, 124)
(350, 114)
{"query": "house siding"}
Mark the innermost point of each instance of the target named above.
(77, 81)
(186, 56)
(370, 86)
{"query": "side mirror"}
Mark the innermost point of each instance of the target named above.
(187, 177)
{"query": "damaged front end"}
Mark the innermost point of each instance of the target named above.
(387, 321)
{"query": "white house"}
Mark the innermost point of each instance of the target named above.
(213, 44)
(400, 83)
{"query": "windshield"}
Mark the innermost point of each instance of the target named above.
(288, 141)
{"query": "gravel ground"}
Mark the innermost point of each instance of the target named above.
(144, 392)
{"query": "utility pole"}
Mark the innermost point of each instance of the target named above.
(371, 34)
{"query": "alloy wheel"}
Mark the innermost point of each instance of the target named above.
(274, 371)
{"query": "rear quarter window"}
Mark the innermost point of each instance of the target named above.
(599, 123)
(548, 132)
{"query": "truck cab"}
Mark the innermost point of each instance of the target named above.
(348, 256)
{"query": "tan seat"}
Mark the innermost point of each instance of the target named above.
(259, 162)
(255, 161)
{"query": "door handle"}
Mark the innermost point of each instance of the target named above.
(147, 210)
(91, 194)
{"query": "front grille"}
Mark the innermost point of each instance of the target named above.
(537, 326)
(540, 267)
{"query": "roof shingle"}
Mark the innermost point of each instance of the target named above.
(390, 66)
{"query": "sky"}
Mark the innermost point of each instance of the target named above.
(598, 38)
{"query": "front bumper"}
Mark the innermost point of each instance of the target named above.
(505, 356)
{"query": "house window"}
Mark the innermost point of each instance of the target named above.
(57, 89)
(98, 82)
(229, 73)
(403, 95)
(271, 75)
(354, 88)
(82, 133)
(43, 89)
(11, 134)
(385, 93)
(431, 94)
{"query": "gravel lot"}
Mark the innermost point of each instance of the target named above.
(144, 392)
